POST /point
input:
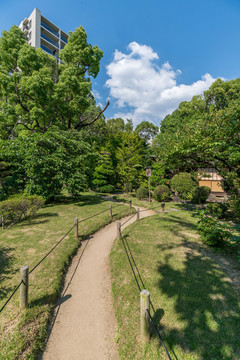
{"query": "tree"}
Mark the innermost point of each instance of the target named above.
(205, 132)
(43, 164)
(131, 161)
(103, 174)
(147, 130)
(37, 93)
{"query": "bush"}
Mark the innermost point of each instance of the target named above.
(212, 232)
(20, 207)
(161, 193)
(200, 194)
(184, 184)
(217, 209)
(106, 188)
(142, 193)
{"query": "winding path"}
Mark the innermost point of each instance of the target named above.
(84, 325)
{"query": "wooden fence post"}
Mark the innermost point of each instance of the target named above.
(110, 211)
(144, 317)
(118, 230)
(138, 214)
(163, 207)
(24, 275)
(76, 227)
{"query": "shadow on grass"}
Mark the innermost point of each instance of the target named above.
(36, 219)
(48, 299)
(205, 302)
(5, 259)
(89, 199)
(178, 223)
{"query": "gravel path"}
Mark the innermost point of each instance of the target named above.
(84, 324)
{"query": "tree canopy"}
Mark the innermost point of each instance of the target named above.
(38, 92)
(205, 132)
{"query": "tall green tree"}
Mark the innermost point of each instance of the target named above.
(36, 92)
(131, 161)
(45, 163)
(104, 173)
(205, 132)
(147, 130)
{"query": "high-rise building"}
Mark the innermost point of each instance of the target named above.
(42, 33)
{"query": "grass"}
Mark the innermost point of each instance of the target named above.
(153, 205)
(23, 332)
(194, 291)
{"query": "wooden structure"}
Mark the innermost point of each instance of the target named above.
(210, 178)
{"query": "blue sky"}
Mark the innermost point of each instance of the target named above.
(156, 53)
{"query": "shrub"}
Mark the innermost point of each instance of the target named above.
(161, 193)
(20, 207)
(184, 184)
(200, 194)
(106, 188)
(142, 193)
(213, 233)
(217, 209)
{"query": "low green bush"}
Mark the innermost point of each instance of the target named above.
(142, 193)
(200, 194)
(213, 233)
(217, 209)
(106, 188)
(184, 184)
(161, 193)
(20, 207)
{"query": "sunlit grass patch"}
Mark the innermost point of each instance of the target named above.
(22, 332)
(196, 305)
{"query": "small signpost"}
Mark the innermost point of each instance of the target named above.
(148, 174)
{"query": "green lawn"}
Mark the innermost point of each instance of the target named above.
(22, 332)
(194, 290)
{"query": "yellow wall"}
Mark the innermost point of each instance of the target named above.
(214, 185)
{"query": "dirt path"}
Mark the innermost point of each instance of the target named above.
(84, 325)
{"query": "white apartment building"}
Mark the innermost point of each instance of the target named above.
(42, 33)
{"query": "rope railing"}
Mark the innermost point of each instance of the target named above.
(128, 219)
(158, 333)
(50, 251)
(139, 287)
(10, 296)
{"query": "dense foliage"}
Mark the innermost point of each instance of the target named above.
(142, 193)
(161, 193)
(184, 184)
(103, 175)
(19, 207)
(200, 194)
(43, 164)
(205, 132)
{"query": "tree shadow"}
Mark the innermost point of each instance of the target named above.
(48, 299)
(5, 260)
(177, 221)
(89, 199)
(205, 303)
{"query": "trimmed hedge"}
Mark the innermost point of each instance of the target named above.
(161, 193)
(142, 193)
(20, 207)
(200, 194)
(184, 184)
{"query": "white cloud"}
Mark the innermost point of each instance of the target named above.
(152, 92)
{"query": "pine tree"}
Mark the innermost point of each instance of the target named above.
(104, 173)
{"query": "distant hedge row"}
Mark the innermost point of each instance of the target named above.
(19, 207)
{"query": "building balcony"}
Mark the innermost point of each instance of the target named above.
(50, 29)
(51, 41)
